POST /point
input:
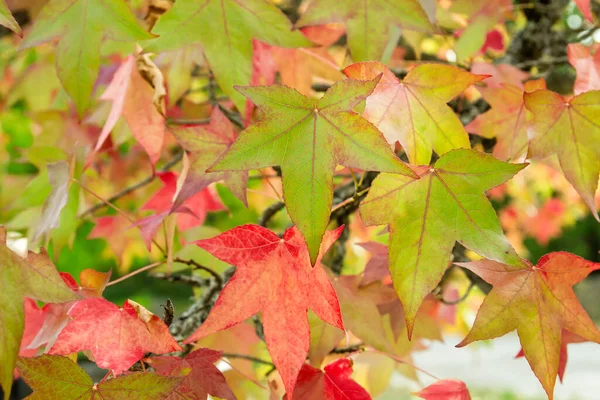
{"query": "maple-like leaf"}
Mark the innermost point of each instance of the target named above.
(368, 23)
(427, 216)
(203, 379)
(7, 19)
(569, 129)
(273, 276)
(81, 25)
(414, 111)
(333, 383)
(508, 119)
(377, 267)
(49, 375)
(117, 337)
(225, 28)
(308, 138)
(205, 144)
(538, 301)
(34, 320)
(586, 61)
(445, 389)
(499, 74)
(133, 98)
(34, 277)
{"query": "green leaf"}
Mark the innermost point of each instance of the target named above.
(308, 138)
(427, 216)
(49, 375)
(8, 20)
(35, 277)
(368, 23)
(81, 25)
(225, 28)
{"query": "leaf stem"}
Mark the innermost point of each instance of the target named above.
(137, 271)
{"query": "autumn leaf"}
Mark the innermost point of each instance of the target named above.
(49, 375)
(334, 382)
(308, 138)
(323, 339)
(133, 98)
(507, 121)
(585, 8)
(117, 337)
(204, 377)
(34, 277)
(377, 267)
(7, 20)
(414, 111)
(59, 176)
(273, 276)
(225, 28)
(586, 61)
(427, 216)
(368, 24)
(569, 129)
(81, 26)
(34, 320)
(499, 74)
(445, 389)
(204, 145)
(539, 302)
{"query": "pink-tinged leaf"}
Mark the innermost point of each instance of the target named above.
(586, 61)
(334, 383)
(49, 375)
(445, 389)
(414, 111)
(585, 8)
(60, 179)
(569, 129)
(203, 379)
(377, 267)
(539, 302)
(34, 319)
(269, 268)
(205, 144)
(567, 337)
(499, 74)
(133, 98)
(507, 121)
(116, 337)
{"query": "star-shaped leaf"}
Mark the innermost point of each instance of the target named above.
(205, 144)
(81, 25)
(225, 28)
(427, 216)
(34, 277)
(569, 129)
(49, 375)
(7, 20)
(539, 302)
(117, 337)
(333, 383)
(414, 111)
(586, 61)
(445, 389)
(368, 23)
(203, 379)
(274, 276)
(508, 119)
(308, 138)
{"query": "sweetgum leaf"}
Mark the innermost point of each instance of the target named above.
(539, 302)
(49, 375)
(333, 383)
(7, 20)
(414, 111)
(427, 216)
(81, 25)
(586, 61)
(377, 267)
(569, 129)
(34, 277)
(117, 337)
(225, 28)
(368, 23)
(445, 389)
(60, 178)
(308, 138)
(274, 276)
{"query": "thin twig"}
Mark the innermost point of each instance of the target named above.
(461, 298)
(137, 271)
(401, 361)
(196, 265)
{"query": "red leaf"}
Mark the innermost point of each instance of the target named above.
(377, 267)
(116, 337)
(445, 389)
(585, 8)
(204, 378)
(274, 276)
(34, 318)
(335, 383)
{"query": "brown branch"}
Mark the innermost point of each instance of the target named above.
(201, 267)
